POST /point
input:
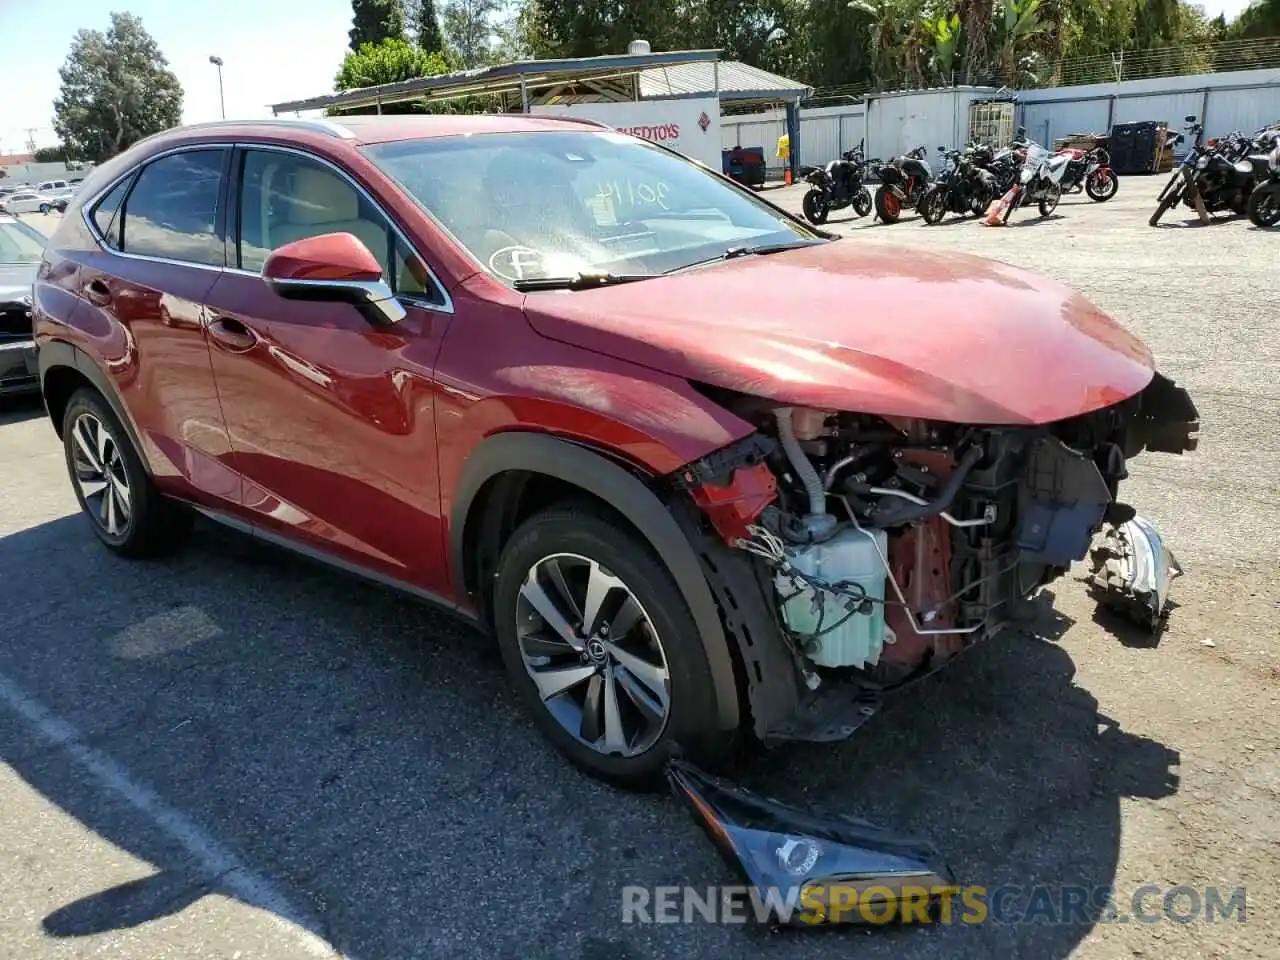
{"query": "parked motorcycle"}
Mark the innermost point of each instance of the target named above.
(961, 187)
(1003, 163)
(1090, 171)
(1218, 175)
(837, 185)
(1039, 181)
(902, 182)
(1264, 202)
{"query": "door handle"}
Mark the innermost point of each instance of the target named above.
(97, 292)
(232, 335)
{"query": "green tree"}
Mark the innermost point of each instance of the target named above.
(896, 38)
(58, 154)
(1018, 26)
(425, 23)
(390, 61)
(470, 30)
(1260, 19)
(116, 89)
(373, 21)
(944, 34)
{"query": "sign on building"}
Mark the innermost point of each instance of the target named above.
(690, 126)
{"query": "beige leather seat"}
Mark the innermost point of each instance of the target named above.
(321, 202)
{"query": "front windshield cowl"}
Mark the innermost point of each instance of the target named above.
(573, 203)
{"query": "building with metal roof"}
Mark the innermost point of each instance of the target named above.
(636, 76)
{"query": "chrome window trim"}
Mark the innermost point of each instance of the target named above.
(446, 307)
(87, 208)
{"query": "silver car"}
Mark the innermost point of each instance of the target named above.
(21, 248)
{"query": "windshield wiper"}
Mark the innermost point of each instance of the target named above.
(763, 250)
(579, 281)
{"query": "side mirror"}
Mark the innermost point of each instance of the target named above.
(334, 268)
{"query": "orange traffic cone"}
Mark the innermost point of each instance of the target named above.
(996, 210)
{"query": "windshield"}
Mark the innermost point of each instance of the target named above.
(557, 204)
(20, 243)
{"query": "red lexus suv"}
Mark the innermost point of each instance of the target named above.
(708, 474)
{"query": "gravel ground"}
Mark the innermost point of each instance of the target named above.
(191, 748)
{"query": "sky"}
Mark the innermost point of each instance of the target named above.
(274, 50)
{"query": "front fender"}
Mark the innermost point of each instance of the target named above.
(625, 493)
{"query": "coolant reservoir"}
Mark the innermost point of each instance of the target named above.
(850, 555)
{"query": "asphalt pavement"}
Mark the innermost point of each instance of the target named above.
(236, 753)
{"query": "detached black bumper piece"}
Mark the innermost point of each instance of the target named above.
(810, 870)
(18, 370)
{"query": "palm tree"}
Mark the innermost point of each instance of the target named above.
(1019, 23)
(975, 26)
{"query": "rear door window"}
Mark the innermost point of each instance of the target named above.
(173, 209)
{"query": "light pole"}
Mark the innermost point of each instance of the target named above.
(217, 62)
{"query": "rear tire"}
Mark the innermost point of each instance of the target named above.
(888, 206)
(119, 500)
(569, 544)
(1101, 186)
(1264, 206)
(815, 207)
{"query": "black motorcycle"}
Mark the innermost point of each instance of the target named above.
(837, 185)
(961, 187)
(903, 182)
(1216, 175)
(1003, 164)
(1264, 202)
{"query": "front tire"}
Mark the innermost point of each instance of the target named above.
(888, 206)
(602, 649)
(933, 205)
(1167, 201)
(120, 501)
(1049, 202)
(862, 202)
(815, 207)
(1264, 206)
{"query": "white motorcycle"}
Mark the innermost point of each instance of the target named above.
(1039, 181)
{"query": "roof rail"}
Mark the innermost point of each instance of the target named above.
(316, 125)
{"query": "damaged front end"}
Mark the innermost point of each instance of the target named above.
(853, 553)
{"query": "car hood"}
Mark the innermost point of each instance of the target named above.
(866, 327)
(16, 280)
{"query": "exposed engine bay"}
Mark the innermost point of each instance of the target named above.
(893, 544)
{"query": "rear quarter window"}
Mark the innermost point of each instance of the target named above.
(173, 209)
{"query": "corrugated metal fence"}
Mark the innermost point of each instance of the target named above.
(825, 132)
(1241, 100)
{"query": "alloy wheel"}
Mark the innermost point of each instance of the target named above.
(100, 476)
(593, 655)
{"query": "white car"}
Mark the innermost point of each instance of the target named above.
(26, 202)
(56, 189)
